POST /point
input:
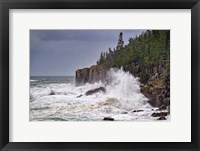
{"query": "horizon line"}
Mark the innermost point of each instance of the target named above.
(51, 75)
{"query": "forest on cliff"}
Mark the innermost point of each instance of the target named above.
(149, 51)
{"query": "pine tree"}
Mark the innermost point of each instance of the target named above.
(150, 51)
(101, 60)
(110, 51)
(120, 43)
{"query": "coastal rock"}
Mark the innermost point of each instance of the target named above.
(137, 111)
(162, 118)
(100, 89)
(82, 76)
(108, 119)
(124, 112)
(133, 69)
(159, 114)
(162, 107)
(157, 92)
(79, 95)
(97, 73)
(90, 75)
(153, 84)
(167, 101)
(52, 93)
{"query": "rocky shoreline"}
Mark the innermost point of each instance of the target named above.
(154, 88)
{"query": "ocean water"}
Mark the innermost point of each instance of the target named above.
(59, 99)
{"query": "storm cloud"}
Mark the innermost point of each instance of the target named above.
(62, 52)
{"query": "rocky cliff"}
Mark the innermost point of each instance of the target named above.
(154, 86)
(157, 92)
(82, 76)
(90, 75)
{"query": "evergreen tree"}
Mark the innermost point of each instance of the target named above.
(101, 60)
(120, 43)
(150, 51)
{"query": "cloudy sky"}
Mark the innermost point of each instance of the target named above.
(62, 52)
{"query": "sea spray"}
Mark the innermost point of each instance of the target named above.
(122, 96)
(125, 87)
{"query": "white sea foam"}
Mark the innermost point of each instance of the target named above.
(68, 102)
(33, 80)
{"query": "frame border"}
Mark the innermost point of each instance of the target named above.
(5, 5)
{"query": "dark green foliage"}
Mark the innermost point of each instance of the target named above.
(120, 42)
(150, 50)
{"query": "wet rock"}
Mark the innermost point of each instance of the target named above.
(160, 100)
(162, 118)
(156, 91)
(108, 119)
(125, 112)
(90, 75)
(137, 111)
(100, 89)
(156, 100)
(52, 92)
(97, 73)
(167, 101)
(159, 114)
(79, 96)
(154, 87)
(82, 76)
(163, 107)
(133, 68)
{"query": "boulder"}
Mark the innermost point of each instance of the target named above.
(52, 93)
(100, 89)
(108, 119)
(159, 114)
(137, 111)
(79, 95)
(162, 118)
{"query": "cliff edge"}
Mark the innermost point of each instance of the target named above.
(90, 75)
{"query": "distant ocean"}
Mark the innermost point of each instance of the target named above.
(57, 98)
(34, 80)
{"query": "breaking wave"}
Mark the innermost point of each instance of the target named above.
(67, 102)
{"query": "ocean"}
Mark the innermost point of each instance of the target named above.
(57, 98)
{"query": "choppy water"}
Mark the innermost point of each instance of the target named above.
(56, 99)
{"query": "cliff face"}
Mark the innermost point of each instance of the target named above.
(157, 92)
(82, 76)
(90, 75)
(153, 87)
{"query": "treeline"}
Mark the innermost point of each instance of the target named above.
(150, 51)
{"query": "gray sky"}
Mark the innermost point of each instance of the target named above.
(62, 52)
